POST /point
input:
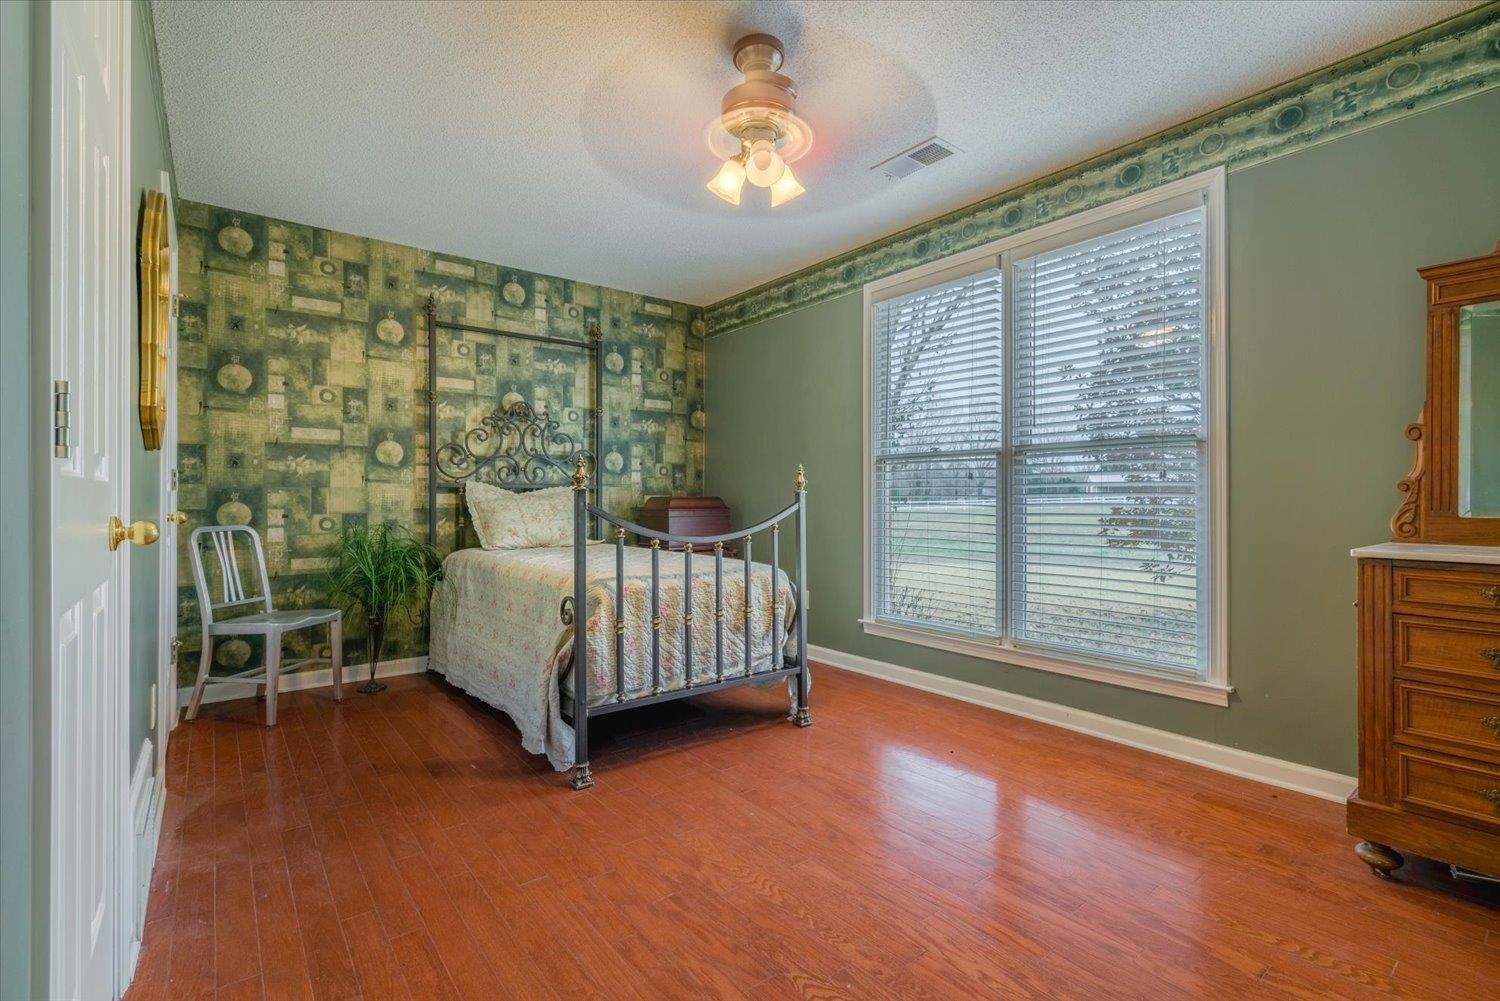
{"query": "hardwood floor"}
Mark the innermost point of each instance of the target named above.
(906, 845)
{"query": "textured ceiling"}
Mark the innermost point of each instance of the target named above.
(568, 138)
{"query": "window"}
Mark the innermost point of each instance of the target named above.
(937, 433)
(1045, 447)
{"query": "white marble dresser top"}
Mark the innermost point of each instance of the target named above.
(1428, 551)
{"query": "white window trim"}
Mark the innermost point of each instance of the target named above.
(1214, 688)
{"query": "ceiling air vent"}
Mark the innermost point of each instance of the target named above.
(923, 154)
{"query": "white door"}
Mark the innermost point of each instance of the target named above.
(89, 281)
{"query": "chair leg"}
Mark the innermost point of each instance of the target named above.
(273, 671)
(204, 661)
(336, 643)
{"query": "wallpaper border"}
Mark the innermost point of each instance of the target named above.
(1448, 61)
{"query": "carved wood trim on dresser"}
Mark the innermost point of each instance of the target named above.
(1429, 631)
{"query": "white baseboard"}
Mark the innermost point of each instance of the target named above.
(303, 680)
(1246, 764)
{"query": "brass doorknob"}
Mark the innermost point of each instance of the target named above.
(142, 533)
(177, 518)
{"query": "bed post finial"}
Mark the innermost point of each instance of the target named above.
(580, 478)
(800, 484)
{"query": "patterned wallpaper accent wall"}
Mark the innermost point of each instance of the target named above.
(302, 392)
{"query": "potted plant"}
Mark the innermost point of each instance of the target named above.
(379, 569)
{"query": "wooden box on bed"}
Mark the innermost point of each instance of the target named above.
(685, 516)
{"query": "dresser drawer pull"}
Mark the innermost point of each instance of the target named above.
(1491, 594)
(1491, 654)
(1493, 722)
(1493, 795)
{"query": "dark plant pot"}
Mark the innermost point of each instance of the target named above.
(374, 640)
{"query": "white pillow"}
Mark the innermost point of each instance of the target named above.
(521, 519)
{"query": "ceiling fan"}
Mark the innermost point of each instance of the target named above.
(758, 133)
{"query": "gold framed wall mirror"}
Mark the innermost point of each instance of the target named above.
(1453, 489)
(156, 314)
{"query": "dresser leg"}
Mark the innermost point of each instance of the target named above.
(1382, 859)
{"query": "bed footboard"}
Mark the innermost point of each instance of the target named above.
(693, 546)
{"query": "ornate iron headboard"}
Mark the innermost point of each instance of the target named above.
(524, 449)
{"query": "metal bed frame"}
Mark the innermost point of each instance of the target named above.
(528, 451)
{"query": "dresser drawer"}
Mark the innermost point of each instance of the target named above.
(1467, 790)
(1467, 720)
(1462, 649)
(1440, 590)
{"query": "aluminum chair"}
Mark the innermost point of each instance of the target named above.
(269, 623)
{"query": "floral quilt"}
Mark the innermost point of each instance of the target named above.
(497, 634)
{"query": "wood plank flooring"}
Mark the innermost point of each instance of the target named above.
(904, 846)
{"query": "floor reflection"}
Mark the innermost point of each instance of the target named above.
(941, 788)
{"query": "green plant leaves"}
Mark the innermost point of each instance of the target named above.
(380, 568)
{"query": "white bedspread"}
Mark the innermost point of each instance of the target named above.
(497, 635)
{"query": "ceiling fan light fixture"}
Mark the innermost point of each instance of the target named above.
(758, 130)
(728, 182)
(786, 188)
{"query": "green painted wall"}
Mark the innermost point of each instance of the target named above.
(150, 154)
(17, 789)
(1325, 369)
(302, 392)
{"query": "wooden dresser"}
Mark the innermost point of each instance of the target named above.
(1429, 705)
(1429, 605)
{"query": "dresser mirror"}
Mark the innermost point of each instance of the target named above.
(1453, 489)
(1479, 410)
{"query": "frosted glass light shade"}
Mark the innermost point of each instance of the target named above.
(728, 182)
(763, 166)
(786, 188)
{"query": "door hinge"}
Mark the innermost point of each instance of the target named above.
(172, 482)
(60, 418)
(176, 300)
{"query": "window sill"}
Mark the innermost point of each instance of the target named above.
(1195, 691)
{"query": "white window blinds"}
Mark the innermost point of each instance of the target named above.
(1108, 484)
(937, 429)
(1043, 448)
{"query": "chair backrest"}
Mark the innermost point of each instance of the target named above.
(235, 590)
